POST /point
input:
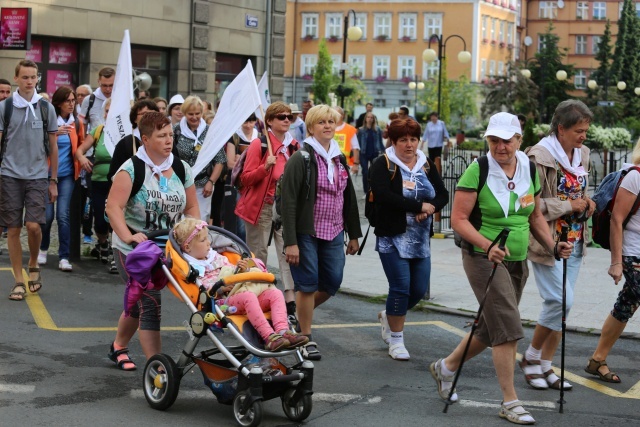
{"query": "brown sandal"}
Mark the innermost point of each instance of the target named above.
(593, 368)
(35, 285)
(16, 295)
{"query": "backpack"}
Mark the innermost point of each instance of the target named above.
(44, 112)
(605, 198)
(139, 173)
(476, 216)
(369, 204)
(239, 166)
(92, 99)
(277, 203)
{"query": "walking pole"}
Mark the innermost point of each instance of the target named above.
(500, 240)
(563, 238)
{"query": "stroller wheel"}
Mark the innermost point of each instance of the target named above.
(253, 415)
(296, 411)
(161, 381)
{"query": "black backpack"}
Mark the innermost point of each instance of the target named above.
(277, 202)
(139, 173)
(44, 112)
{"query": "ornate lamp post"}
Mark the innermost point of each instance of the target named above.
(353, 34)
(416, 86)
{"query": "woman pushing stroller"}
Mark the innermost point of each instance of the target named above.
(250, 298)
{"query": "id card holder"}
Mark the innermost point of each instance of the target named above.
(164, 184)
(409, 185)
(526, 200)
(36, 124)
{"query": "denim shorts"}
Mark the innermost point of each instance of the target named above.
(321, 264)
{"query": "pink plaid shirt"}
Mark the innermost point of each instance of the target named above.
(327, 212)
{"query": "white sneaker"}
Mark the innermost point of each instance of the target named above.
(65, 265)
(42, 257)
(384, 325)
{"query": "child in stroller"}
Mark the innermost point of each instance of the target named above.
(248, 297)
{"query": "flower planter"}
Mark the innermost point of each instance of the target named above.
(308, 37)
(332, 39)
(493, 42)
(307, 77)
(380, 79)
(406, 38)
(382, 38)
(502, 44)
(406, 79)
(485, 41)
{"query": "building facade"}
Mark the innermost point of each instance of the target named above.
(187, 46)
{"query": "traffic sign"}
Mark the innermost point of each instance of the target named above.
(606, 103)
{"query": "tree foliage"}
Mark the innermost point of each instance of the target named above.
(462, 100)
(625, 59)
(322, 76)
(511, 92)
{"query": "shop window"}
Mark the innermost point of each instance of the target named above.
(57, 60)
(154, 62)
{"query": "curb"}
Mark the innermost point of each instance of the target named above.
(426, 306)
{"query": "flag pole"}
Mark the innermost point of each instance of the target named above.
(266, 131)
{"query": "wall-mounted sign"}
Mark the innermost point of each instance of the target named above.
(57, 78)
(15, 28)
(251, 21)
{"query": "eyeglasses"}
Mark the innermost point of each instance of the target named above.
(282, 117)
(105, 86)
(70, 101)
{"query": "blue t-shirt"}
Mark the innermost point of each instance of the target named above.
(65, 162)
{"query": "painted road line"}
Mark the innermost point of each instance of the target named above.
(536, 404)
(17, 388)
(38, 310)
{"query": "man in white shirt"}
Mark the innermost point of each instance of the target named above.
(91, 112)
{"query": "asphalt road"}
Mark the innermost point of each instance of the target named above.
(54, 370)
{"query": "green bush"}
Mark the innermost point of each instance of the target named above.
(472, 145)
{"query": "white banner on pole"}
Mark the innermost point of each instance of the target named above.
(240, 99)
(118, 125)
(265, 95)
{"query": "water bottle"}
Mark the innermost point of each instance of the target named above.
(87, 209)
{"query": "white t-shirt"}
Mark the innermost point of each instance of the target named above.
(631, 233)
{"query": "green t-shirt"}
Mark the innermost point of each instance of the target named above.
(102, 158)
(493, 219)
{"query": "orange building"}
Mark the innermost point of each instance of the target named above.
(394, 35)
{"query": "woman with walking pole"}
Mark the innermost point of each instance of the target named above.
(562, 162)
(499, 190)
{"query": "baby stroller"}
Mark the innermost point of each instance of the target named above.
(237, 375)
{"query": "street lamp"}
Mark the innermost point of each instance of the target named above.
(416, 85)
(353, 34)
(429, 55)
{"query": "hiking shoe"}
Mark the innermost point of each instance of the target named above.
(276, 342)
(295, 340)
(310, 351)
(443, 390)
(65, 265)
(42, 257)
(87, 240)
(112, 268)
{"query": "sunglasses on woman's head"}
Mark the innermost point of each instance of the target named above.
(284, 116)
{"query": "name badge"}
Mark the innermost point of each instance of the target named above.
(409, 185)
(36, 124)
(164, 184)
(526, 200)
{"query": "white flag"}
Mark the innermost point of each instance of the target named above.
(240, 99)
(265, 96)
(118, 124)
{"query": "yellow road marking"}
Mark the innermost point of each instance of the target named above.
(44, 321)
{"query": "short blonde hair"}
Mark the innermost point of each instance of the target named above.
(317, 113)
(635, 155)
(191, 101)
(183, 229)
(274, 109)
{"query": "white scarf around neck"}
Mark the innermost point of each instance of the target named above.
(422, 159)
(98, 93)
(157, 169)
(136, 133)
(554, 147)
(288, 139)
(20, 102)
(203, 265)
(498, 182)
(71, 120)
(334, 151)
(254, 135)
(188, 133)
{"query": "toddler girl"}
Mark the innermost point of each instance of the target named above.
(248, 297)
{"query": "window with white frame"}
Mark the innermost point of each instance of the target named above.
(582, 10)
(637, 9)
(333, 25)
(382, 25)
(432, 25)
(381, 67)
(430, 69)
(599, 10)
(580, 79)
(361, 21)
(485, 30)
(308, 64)
(310, 25)
(408, 23)
(510, 33)
(500, 68)
(595, 40)
(492, 68)
(337, 60)
(541, 39)
(501, 37)
(548, 10)
(493, 29)
(518, 46)
(483, 69)
(581, 45)
(406, 67)
(519, 12)
(356, 65)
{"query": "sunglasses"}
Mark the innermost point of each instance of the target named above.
(282, 117)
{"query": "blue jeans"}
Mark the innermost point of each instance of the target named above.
(65, 190)
(408, 281)
(321, 264)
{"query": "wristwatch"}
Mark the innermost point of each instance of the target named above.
(53, 180)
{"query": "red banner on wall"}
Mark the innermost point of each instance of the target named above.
(15, 28)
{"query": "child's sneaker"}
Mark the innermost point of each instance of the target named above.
(276, 342)
(295, 340)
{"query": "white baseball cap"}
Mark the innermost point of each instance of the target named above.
(503, 125)
(176, 99)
